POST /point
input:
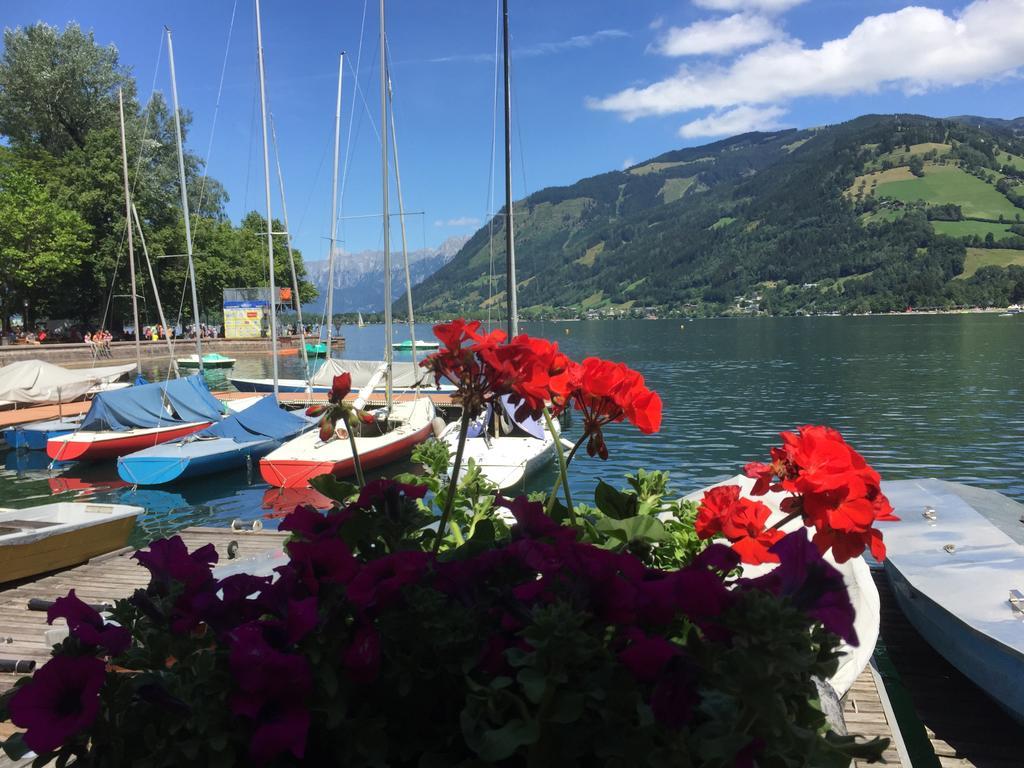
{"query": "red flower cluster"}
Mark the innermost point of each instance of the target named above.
(740, 520)
(607, 392)
(835, 490)
(537, 374)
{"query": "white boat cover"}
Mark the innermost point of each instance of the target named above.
(856, 576)
(37, 381)
(404, 375)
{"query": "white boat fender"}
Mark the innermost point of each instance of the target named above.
(437, 425)
(239, 525)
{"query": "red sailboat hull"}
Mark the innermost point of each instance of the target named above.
(92, 446)
(297, 474)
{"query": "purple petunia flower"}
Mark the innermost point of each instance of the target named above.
(380, 582)
(169, 560)
(814, 586)
(646, 656)
(362, 657)
(61, 699)
(87, 626)
(324, 560)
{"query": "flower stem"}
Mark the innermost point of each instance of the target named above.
(785, 520)
(563, 468)
(357, 465)
(453, 486)
(575, 448)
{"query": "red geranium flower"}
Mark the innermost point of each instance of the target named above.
(740, 520)
(341, 386)
(607, 392)
(835, 490)
(62, 698)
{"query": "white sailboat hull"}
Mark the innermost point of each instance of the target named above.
(505, 461)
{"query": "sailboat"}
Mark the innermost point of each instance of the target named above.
(242, 436)
(138, 417)
(359, 320)
(398, 427)
(506, 449)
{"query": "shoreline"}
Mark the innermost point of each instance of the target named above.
(79, 355)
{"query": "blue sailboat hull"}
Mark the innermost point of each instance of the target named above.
(169, 462)
(33, 437)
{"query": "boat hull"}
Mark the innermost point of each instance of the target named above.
(220, 455)
(42, 539)
(992, 666)
(206, 364)
(294, 473)
(33, 437)
(92, 446)
(953, 569)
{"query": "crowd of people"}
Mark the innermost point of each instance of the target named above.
(99, 341)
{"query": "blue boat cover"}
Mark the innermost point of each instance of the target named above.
(179, 401)
(264, 419)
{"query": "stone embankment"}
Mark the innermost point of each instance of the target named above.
(81, 354)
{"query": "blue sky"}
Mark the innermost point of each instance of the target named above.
(598, 84)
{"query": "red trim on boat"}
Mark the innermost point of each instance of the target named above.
(297, 474)
(68, 448)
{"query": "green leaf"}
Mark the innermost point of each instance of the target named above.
(533, 682)
(612, 502)
(333, 488)
(638, 528)
(495, 744)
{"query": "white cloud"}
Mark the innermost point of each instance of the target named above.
(628, 162)
(575, 42)
(717, 36)
(462, 221)
(657, 23)
(733, 121)
(916, 49)
(764, 6)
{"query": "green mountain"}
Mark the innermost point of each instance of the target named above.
(876, 214)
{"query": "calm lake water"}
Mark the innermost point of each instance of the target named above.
(936, 396)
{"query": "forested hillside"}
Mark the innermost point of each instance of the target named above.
(877, 214)
(62, 248)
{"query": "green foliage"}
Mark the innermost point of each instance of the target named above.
(767, 218)
(643, 520)
(58, 109)
(40, 240)
(57, 87)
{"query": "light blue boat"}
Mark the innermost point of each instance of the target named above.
(244, 436)
(33, 436)
(956, 564)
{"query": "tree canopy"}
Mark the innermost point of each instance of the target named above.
(62, 194)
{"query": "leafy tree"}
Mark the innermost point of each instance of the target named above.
(42, 243)
(56, 87)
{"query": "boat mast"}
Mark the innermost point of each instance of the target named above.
(334, 210)
(266, 186)
(510, 240)
(184, 205)
(388, 350)
(291, 254)
(156, 292)
(401, 219)
(128, 222)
